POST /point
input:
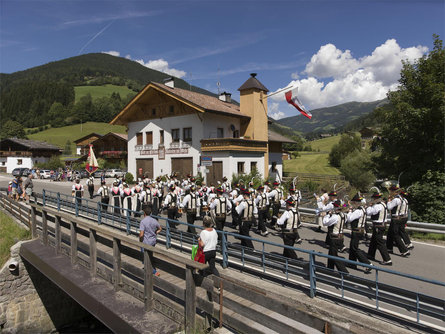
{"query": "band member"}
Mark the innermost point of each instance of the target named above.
(275, 197)
(236, 197)
(295, 194)
(326, 208)
(378, 216)
(226, 186)
(395, 206)
(322, 200)
(220, 206)
(115, 193)
(262, 203)
(77, 191)
(404, 211)
(289, 224)
(127, 199)
(171, 204)
(191, 205)
(245, 210)
(337, 220)
(137, 199)
(104, 194)
(357, 218)
(90, 184)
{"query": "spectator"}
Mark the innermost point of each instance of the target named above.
(9, 191)
(149, 229)
(29, 187)
(14, 186)
(208, 239)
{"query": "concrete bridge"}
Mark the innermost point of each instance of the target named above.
(101, 268)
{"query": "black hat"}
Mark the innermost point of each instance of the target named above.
(377, 195)
(276, 183)
(290, 202)
(333, 193)
(260, 188)
(394, 187)
(337, 204)
(219, 190)
(291, 189)
(245, 192)
(357, 198)
(172, 187)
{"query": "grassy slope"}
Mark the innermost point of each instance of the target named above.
(101, 91)
(314, 162)
(59, 136)
(10, 233)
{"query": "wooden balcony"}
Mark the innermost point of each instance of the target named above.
(233, 144)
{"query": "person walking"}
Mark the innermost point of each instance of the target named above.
(29, 187)
(262, 204)
(322, 200)
(149, 229)
(357, 218)
(220, 206)
(394, 206)
(289, 224)
(378, 216)
(104, 194)
(171, 204)
(208, 239)
(404, 212)
(90, 185)
(245, 211)
(191, 205)
(77, 191)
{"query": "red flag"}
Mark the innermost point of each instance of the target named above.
(291, 98)
(91, 166)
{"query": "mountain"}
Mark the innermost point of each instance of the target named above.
(331, 119)
(45, 94)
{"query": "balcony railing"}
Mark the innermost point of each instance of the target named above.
(233, 144)
(143, 147)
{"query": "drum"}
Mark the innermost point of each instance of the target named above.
(180, 210)
(205, 208)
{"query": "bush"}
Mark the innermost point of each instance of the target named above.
(427, 198)
(348, 143)
(254, 176)
(129, 178)
(356, 167)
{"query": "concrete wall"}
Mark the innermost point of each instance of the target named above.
(31, 303)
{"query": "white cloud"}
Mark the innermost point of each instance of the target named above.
(295, 76)
(112, 53)
(158, 64)
(335, 76)
(273, 111)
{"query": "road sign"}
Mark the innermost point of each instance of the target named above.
(206, 161)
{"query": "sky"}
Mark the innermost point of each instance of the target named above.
(333, 51)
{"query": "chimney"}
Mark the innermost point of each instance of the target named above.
(226, 97)
(169, 82)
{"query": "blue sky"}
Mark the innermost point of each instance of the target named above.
(333, 51)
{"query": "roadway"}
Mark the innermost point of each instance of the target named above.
(426, 259)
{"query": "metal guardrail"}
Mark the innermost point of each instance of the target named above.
(272, 265)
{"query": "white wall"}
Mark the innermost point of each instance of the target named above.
(161, 167)
(214, 121)
(27, 162)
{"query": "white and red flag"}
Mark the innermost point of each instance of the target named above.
(91, 166)
(291, 98)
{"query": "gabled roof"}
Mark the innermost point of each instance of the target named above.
(92, 134)
(120, 136)
(253, 83)
(276, 137)
(198, 101)
(30, 145)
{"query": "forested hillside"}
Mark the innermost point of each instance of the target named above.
(45, 94)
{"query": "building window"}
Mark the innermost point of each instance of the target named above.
(139, 138)
(172, 109)
(153, 111)
(19, 161)
(161, 137)
(219, 133)
(187, 134)
(240, 167)
(149, 138)
(175, 135)
(236, 134)
(253, 166)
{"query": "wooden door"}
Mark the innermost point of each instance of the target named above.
(182, 166)
(215, 173)
(144, 168)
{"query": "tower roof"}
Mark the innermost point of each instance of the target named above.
(253, 83)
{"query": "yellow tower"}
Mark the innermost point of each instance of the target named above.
(253, 103)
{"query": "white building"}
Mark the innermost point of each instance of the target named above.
(24, 153)
(177, 130)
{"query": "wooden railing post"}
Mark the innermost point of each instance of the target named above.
(190, 300)
(93, 252)
(148, 281)
(73, 241)
(33, 223)
(44, 228)
(117, 265)
(58, 234)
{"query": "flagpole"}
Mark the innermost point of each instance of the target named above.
(278, 91)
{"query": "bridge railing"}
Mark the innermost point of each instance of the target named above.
(316, 277)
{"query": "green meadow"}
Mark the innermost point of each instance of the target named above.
(101, 91)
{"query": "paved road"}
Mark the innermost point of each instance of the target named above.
(426, 260)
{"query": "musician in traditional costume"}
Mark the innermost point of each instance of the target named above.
(219, 208)
(171, 203)
(137, 199)
(288, 222)
(104, 194)
(77, 191)
(191, 205)
(245, 210)
(262, 204)
(275, 197)
(399, 215)
(127, 199)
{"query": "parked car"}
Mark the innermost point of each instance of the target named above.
(98, 173)
(22, 171)
(81, 174)
(114, 173)
(45, 174)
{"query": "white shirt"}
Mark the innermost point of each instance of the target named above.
(210, 239)
(330, 220)
(187, 199)
(215, 202)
